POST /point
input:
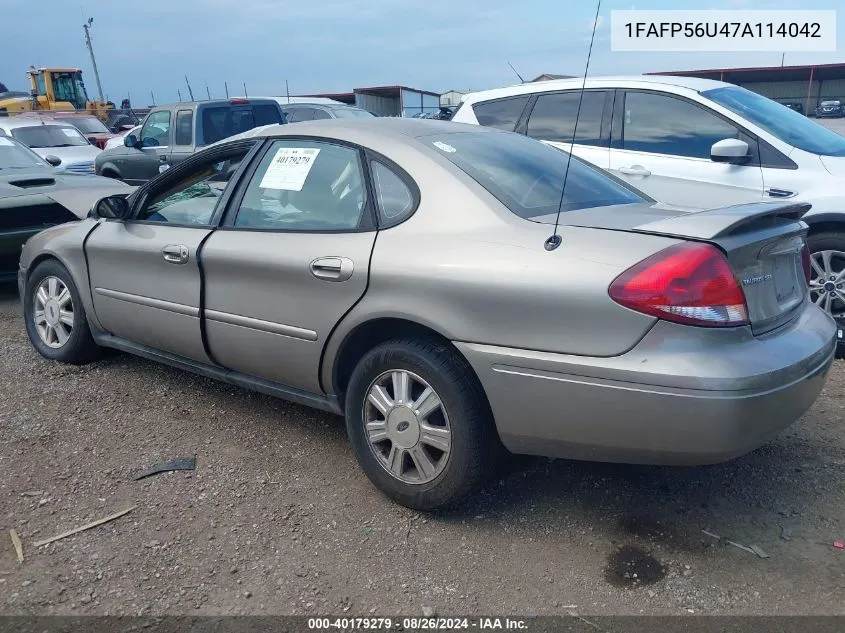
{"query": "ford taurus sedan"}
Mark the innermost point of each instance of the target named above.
(451, 290)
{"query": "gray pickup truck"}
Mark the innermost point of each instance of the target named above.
(171, 133)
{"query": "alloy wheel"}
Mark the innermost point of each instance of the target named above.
(407, 427)
(53, 312)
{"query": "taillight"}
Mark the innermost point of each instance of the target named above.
(806, 263)
(687, 283)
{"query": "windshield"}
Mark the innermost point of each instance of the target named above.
(527, 176)
(49, 136)
(830, 103)
(89, 125)
(787, 125)
(13, 155)
(351, 113)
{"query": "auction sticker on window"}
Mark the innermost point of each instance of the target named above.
(289, 168)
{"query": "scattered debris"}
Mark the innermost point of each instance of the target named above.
(184, 463)
(88, 526)
(16, 541)
(785, 533)
(754, 549)
(367, 530)
(629, 566)
(32, 493)
(839, 544)
(429, 612)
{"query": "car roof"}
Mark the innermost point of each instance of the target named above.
(623, 81)
(214, 102)
(364, 131)
(11, 123)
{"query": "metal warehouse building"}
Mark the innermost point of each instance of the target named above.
(806, 85)
(388, 100)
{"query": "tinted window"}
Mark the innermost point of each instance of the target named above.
(351, 113)
(321, 114)
(304, 186)
(49, 136)
(502, 113)
(300, 114)
(192, 199)
(15, 156)
(267, 114)
(156, 130)
(665, 125)
(527, 176)
(783, 123)
(184, 127)
(394, 198)
(89, 125)
(553, 118)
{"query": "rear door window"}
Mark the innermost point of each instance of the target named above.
(553, 117)
(502, 113)
(300, 114)
(219, 122)
(184, 127)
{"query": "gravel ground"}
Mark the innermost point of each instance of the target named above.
(278, 519)
(837, 125)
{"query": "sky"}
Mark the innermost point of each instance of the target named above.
(322, 46)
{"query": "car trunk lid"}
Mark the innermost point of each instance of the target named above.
(762, 241)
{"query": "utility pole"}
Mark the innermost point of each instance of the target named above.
(87, 27)
(207, 91)
(782, 57)
(287, 90)
(179, 92)
(190, 92)
(226, 85)
(153, 97)
(245, 93)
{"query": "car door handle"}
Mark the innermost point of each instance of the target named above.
(332, 268)
(634, 170)
(175, 253)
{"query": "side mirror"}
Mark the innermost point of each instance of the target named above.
(730, 150)
(111, 208)
(54, 160)
(130, 140)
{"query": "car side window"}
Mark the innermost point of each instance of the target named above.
(553, 117)
(192, 198)
(156, 130)
(184, 127)
(662, 124)
(300, 114)
(303, 185)
(393, 197)
(502, 113)
(321, 114)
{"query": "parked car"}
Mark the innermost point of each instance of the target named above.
(295, 112)
(60, 144)
(692, 142)
(34, 195)
(649, 335)
(172, 133)
(89, 125)
(117, 140)
(831, 108)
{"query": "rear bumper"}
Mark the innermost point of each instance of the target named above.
(676, 398)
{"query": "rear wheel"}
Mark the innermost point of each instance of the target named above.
(827, 283)
(420, 424)
(55, 318)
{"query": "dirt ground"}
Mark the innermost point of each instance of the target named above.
(278, 519)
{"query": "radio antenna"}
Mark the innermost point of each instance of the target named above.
(555, 240)
(521, 80)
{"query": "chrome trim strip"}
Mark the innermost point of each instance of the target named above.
(149, 302)
(263, 326)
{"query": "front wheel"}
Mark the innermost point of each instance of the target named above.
(55, 317)
(827, 283)
(420, 424)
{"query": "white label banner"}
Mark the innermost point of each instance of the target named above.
(289, 168)
(740, 30)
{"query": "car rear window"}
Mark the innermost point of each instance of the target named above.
(49, 136)
(527, 176)
(219, 122)
(502, 114)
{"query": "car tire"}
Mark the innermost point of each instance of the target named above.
(61, 332)
(830, 241)
(394, 465)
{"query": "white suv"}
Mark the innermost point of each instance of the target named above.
(692, 143)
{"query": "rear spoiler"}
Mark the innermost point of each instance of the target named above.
(716, 223)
